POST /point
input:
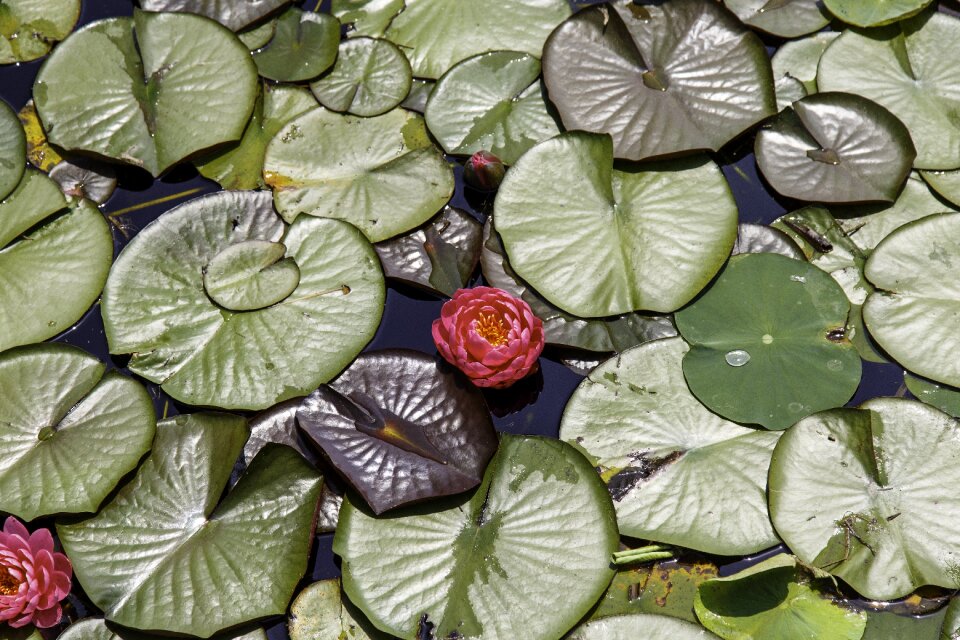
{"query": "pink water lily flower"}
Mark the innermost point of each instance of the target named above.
(33, 577)
(488, 334)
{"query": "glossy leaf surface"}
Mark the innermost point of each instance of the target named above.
(68, 433)
(156, 308)
(370, 78)
(233, 14)
(866, 495)
(875, 13)
(771, 329)
(941, 396)
(148, 73)
(29, 28)
(632, 72)
(366, 17)
(13, 150)
(163, 556)
(784, 18)
(677, 472)
(98, 629)
(629, 627)
(401, 428)
(381, 174)
(304, 45)
(541, 517)
(596, 240)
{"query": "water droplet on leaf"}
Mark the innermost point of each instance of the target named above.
(737, 358)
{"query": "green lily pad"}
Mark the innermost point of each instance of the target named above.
(69, 433)
(99, 629)
(233, 15)
(259, 35)
(155, 306)
(945, 183)
(869, 224)
(774, 599)
(905, 68)
(491, 102)
(366, 17)
(596, 240)
(799, 58)
(770, 329)
(789, 90)
(884, 625)
(420, 91)
(401, 429)
(13, 150)
(251, 275)
(541, 517)
(240, 164)
(941, 396)
(603, 335)
(759, 238)
(835, 147)
(50, 276)
(85, 178)
(875, 13)
(29, 28)
(633, 72)
(914, 313)
(867, 494)
(304, 45)
(630, 627)
(97, 76)
(370, 77)
(784, 18)
(951, 622)
(381, 174)
(440, 256)
(677, 472)
(184, 564)
(437, 34)
(320, 611)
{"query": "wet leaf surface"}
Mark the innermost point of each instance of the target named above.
(652, 626)
(321, 612)
(941, 396)
(799, 58)
(230, 13)
(785, 18)
(185, 564)
(29, 28)
(401, 428)
(68, 432)
(535, 490)
(366, 17)
(370, 78)
(759, 238)
(303, 46)
(769, 318)
(695, 93)
(875, 13)
(597, 240)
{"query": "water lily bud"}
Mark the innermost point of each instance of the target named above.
(491, 336)
(484, 171)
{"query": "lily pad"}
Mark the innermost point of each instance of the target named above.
(630, 627)
(602, 335)
(69, 433)
(491, 102)
(13, 150)
(677, 472)
(381, 174)
(945, 183)
(366, 17)
(875, 13)
(98, 629)
(776, 598)
(784, 18)
(867, 494)
(789, 90)
(437, 34)
(759, 238)
(29, 28)
(155, 306)
(799, 59)
(633, 72)
(401, 428)
(231, 14)
(39, 153)
(541, 517)
(835, 147)
(914, 313)
(868, 225)
(369, 78)
(941, 396)
(240, 164)
(97, 76)
(258, 36)
(321, 612)
(440, 256)
(53, 261)
(184, 564)
(596, 240)
(85, 178)
(420, 91)
(905, 68)
(770, 329)
(304, 45)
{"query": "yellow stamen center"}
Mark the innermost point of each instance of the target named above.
(491, 328)
(8, 584)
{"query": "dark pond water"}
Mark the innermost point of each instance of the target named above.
(533, 407)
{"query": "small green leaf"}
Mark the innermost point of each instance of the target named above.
(784, 18)
(320, 611)
(370, 77)
(250, 275)
(304, 45)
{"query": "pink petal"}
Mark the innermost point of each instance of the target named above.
(14, 527)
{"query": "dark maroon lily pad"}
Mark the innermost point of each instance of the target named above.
(401, 428)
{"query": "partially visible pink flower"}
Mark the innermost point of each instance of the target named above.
(33, 577)
(484, 171)
(488, 334)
